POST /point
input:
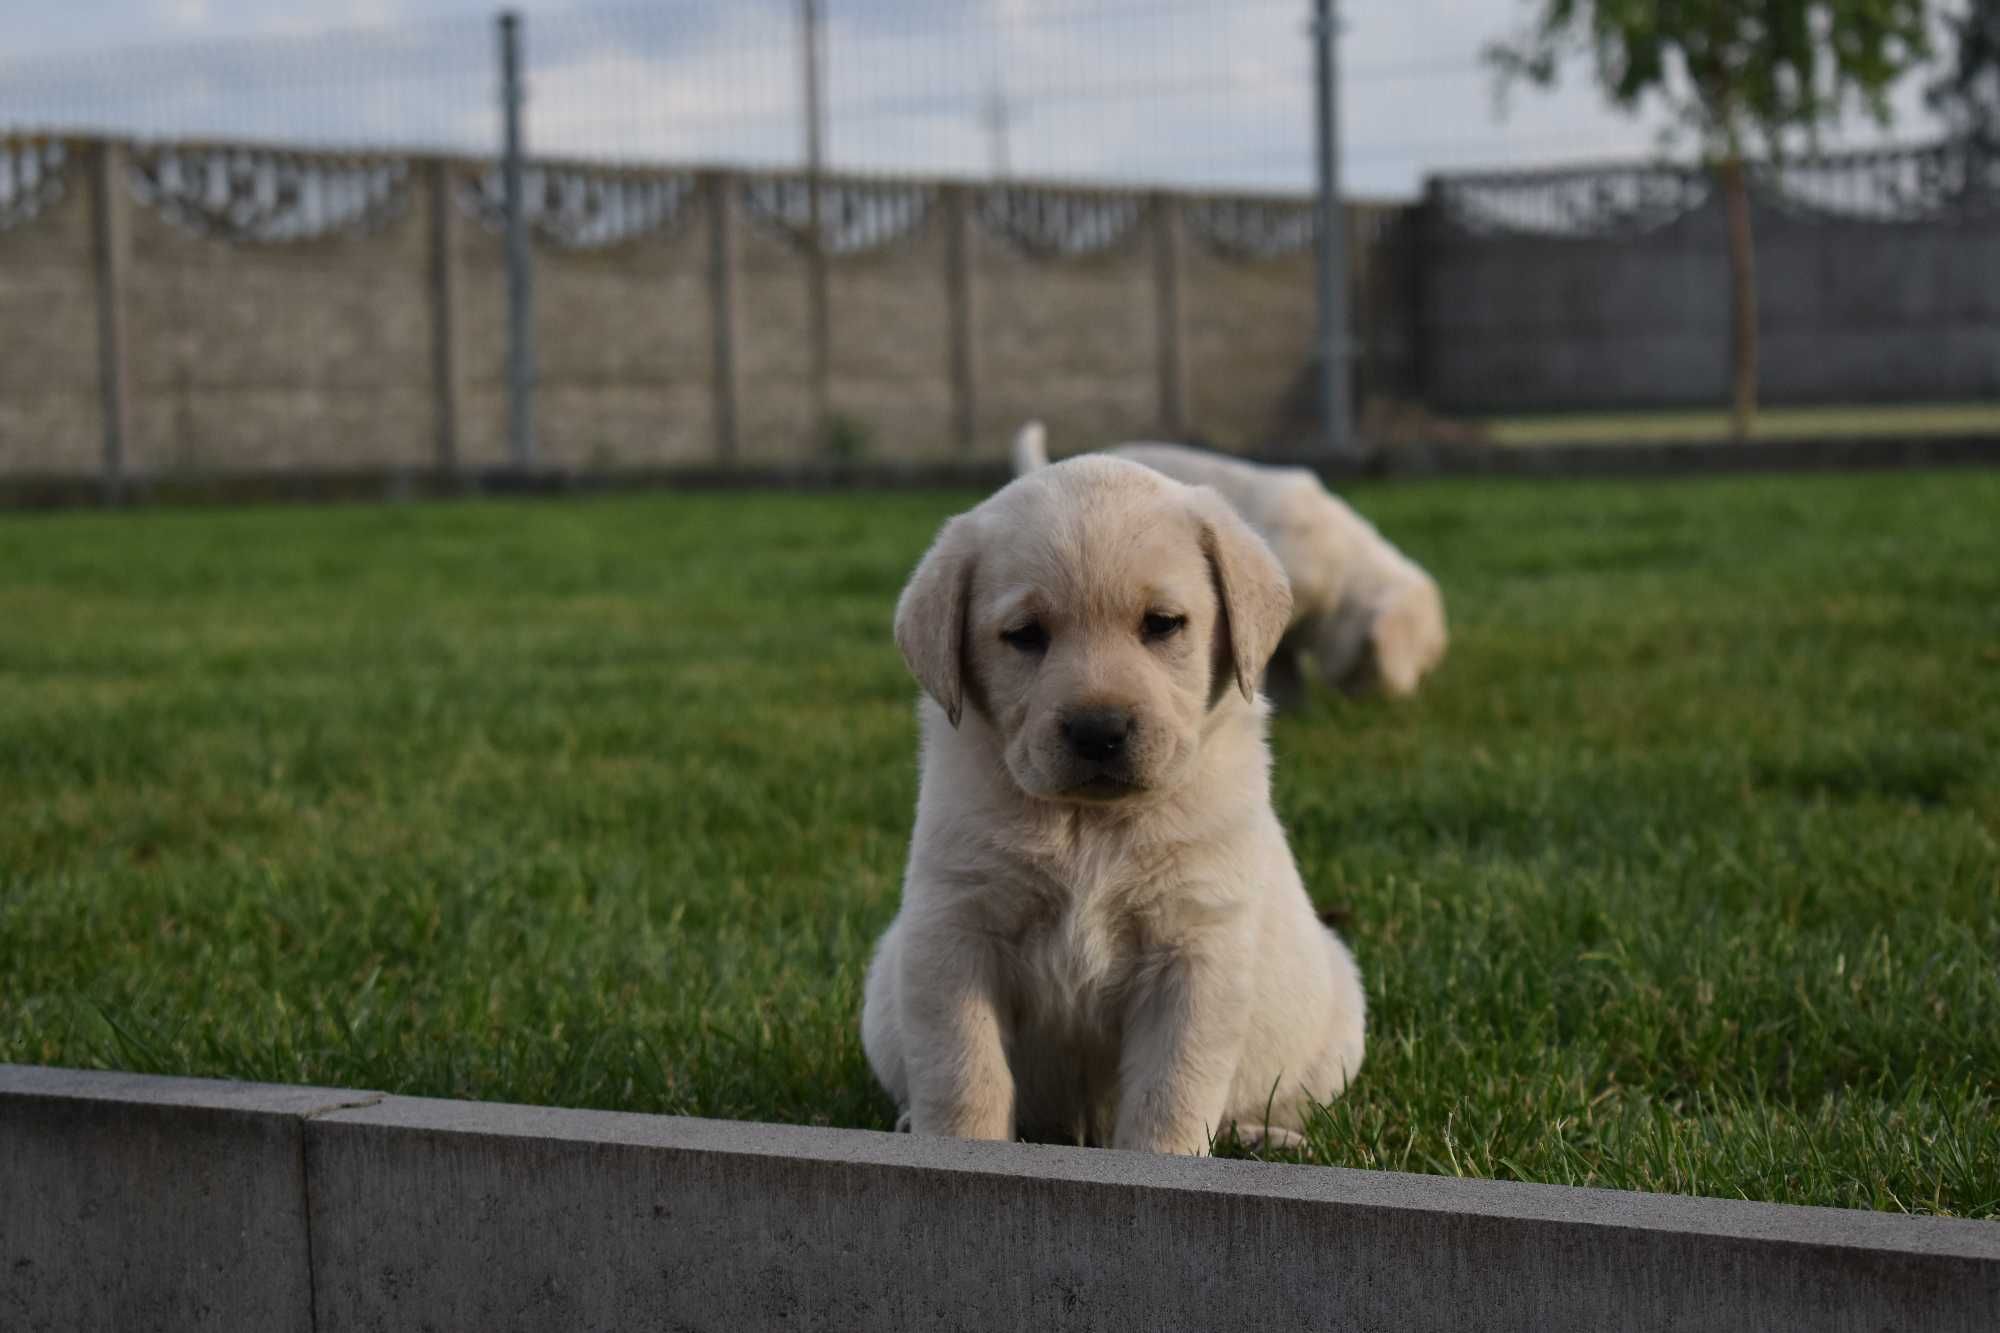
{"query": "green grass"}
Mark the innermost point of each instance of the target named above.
(1773, 423)
(1685, 875)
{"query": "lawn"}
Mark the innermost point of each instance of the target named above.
(1684, 875)
(1772, 423)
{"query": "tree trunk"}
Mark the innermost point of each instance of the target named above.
(1742, 300)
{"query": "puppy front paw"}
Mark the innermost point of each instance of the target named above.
(1269, 1138)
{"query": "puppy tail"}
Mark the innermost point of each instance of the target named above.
(1031, 448)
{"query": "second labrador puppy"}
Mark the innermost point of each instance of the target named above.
(1103, 935)
(1366, 614)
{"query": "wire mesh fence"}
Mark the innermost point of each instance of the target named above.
(1193, 93)
(1210, 93)
(430, 86)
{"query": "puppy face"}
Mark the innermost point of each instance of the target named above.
(1092, 614)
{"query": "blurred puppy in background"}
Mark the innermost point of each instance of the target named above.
(1367, 615)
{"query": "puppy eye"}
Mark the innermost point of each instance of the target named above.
(1159, 625)
(1028, 638)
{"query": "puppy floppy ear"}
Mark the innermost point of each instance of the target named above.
(930, 616)
(1256, 596)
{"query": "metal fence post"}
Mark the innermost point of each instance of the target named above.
(818, 320)
(1336, 434)
(721, 187)
(1169, 229)
(958, 299)
(520, 271)
(111, 222)
(447, 360)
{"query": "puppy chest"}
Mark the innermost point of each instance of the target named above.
(1073, 972)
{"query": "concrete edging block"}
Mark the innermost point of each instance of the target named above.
(473, 1215)
(130, 1202)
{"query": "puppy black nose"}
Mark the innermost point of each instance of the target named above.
(1096, 733)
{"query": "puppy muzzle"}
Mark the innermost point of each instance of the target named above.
(1099, 754)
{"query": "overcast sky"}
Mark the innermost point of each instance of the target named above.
(1214, 92)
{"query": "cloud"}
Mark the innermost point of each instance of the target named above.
(184, 13)
(711, 92)
(1189, 92)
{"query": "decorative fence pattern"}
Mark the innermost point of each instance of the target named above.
(855, 216)
(262, 196)
(244, 194)
(1947, 182)
(32, 179)
(1934, 183)
(1254, 228)
(582, 208)
(1608, 288)
(1619, 202)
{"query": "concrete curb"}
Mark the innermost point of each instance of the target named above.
(130, 1201)
(1665, 459)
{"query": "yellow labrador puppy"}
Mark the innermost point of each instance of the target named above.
(1103, 935)
(1365, 612)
